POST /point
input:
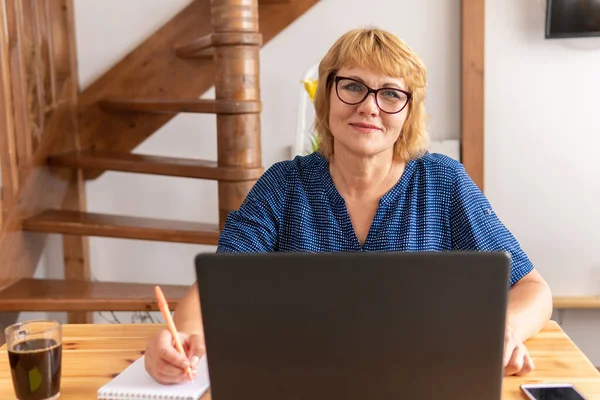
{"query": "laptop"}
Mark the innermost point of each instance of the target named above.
(354, 326)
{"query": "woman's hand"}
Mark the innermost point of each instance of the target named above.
(164, 363)
(516, 357)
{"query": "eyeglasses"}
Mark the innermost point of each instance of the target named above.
(389, 100)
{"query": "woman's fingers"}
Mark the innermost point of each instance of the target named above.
(162, 360)
(527, 364)
(520, 363)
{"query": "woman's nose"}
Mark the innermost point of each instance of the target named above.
(368, 105)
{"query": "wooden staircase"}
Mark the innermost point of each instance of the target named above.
(73, 295)
(115, 114)
(108, 160)
(120, 226)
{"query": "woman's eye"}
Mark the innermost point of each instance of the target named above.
(392, 94)
(354, 87)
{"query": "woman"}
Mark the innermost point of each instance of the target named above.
(370, 187)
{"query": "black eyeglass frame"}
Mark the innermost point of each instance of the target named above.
(369, 91)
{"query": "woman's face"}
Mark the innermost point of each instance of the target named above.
(364, 129)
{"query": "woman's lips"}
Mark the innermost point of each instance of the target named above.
(365, 128)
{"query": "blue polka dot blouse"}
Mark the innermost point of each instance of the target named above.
(434, 206)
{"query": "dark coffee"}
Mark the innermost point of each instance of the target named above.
(35, 366)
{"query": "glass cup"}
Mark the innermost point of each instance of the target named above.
(34, 354)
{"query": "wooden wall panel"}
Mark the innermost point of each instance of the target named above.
(472, 112)
(39, 187)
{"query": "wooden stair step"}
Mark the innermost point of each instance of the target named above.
(173, 106)
(107, 160)
(120, 226)
(202, 47)
(72, 295)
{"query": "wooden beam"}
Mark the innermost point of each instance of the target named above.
(153, 70)
(472, 73)
(75, 247)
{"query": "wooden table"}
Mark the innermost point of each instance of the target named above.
(93, 354)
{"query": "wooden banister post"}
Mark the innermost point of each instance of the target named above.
(75, 247)
(236, 78)
(8, 151)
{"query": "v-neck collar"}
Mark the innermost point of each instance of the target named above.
(341, 211)
(336, 198)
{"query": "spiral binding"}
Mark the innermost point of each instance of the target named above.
(119, 395)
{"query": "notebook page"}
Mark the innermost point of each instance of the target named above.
(134, 383)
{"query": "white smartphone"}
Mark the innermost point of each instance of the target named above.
(551, 391)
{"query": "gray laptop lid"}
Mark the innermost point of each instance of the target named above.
(354, 325)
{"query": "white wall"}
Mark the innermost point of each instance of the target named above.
(542, 143)
(108, 30)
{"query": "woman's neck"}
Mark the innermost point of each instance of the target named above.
(364, 178)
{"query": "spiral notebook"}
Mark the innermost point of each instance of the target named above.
(134, 383)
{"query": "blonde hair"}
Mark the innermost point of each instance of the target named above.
(384, 52)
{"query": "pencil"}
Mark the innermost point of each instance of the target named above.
(164, 309)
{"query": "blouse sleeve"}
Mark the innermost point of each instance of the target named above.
(475, 226)
(254, 227)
